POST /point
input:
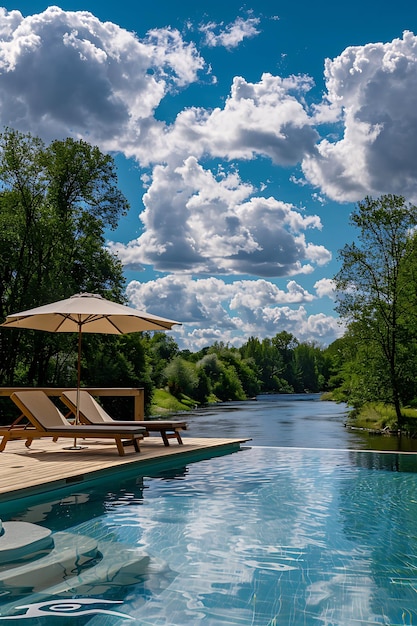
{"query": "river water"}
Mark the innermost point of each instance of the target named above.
(297, 421)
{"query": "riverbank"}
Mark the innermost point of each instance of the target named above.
(381, 418)
(164, 403)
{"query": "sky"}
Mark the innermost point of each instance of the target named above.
(244, 135)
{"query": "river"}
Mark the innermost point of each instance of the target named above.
(296, 420)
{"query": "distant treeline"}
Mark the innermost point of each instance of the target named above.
(278, 365)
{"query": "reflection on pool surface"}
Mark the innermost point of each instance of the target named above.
(265, 536)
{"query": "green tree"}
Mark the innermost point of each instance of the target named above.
(211, 364)
(252, 349)
(374, 292)
(222, 366)
(203, 389)
(228, 385)
(182, 377)
(306, 365)
(245, 369)
(269, 364)
(285, 343)
(162, 349)
(313, 367)
(55, 203)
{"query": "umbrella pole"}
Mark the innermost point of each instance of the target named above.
(77, 412)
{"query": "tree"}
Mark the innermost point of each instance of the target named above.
(162, 348)
(373, 288)
(245, 369)
(306, 363)
(55, 203)
(203, 389)
(226, 373)
(228, 385)
(182, 377)
(286, 345)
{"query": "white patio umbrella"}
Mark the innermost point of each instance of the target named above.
(87, 313)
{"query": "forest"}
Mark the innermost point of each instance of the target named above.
(57, 200)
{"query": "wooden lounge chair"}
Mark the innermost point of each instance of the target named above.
(91, 412)
(46, 420)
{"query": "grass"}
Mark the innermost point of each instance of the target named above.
(380, 416)
(163, 403)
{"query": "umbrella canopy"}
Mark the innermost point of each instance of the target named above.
(87, 313)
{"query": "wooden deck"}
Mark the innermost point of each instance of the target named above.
(47, 465)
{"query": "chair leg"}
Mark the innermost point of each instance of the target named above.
(131, 442)
(174, 435)
(28, 443)
(120, 447)
(3, 442)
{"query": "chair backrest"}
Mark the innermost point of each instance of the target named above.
(89, 409)
(39, 409)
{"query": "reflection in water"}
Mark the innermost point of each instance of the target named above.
(62, 512)
(291, 535)
(387, 461)
(378, 510)
(299, 536)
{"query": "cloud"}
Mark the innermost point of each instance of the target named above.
(371, 91)
(325, 287)
(214, 224)
(232, 35)
(103, 85)
(267, 118)
(212, 310)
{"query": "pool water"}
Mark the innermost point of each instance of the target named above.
(261, 537)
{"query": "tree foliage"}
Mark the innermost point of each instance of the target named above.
(55, 202)
(181, 377)
(376, 296)
(277, 365)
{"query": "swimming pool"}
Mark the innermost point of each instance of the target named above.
(262, 537)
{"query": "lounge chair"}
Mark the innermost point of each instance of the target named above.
(91, 412)
(46, 420)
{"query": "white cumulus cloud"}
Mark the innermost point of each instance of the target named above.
(65, 73)
(267, 118)
(214, 224)
(212, 310)
(325, 287)
(371, 90)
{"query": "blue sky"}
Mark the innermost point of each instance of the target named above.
(243, 134)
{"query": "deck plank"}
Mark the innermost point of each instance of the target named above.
(47, 465)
